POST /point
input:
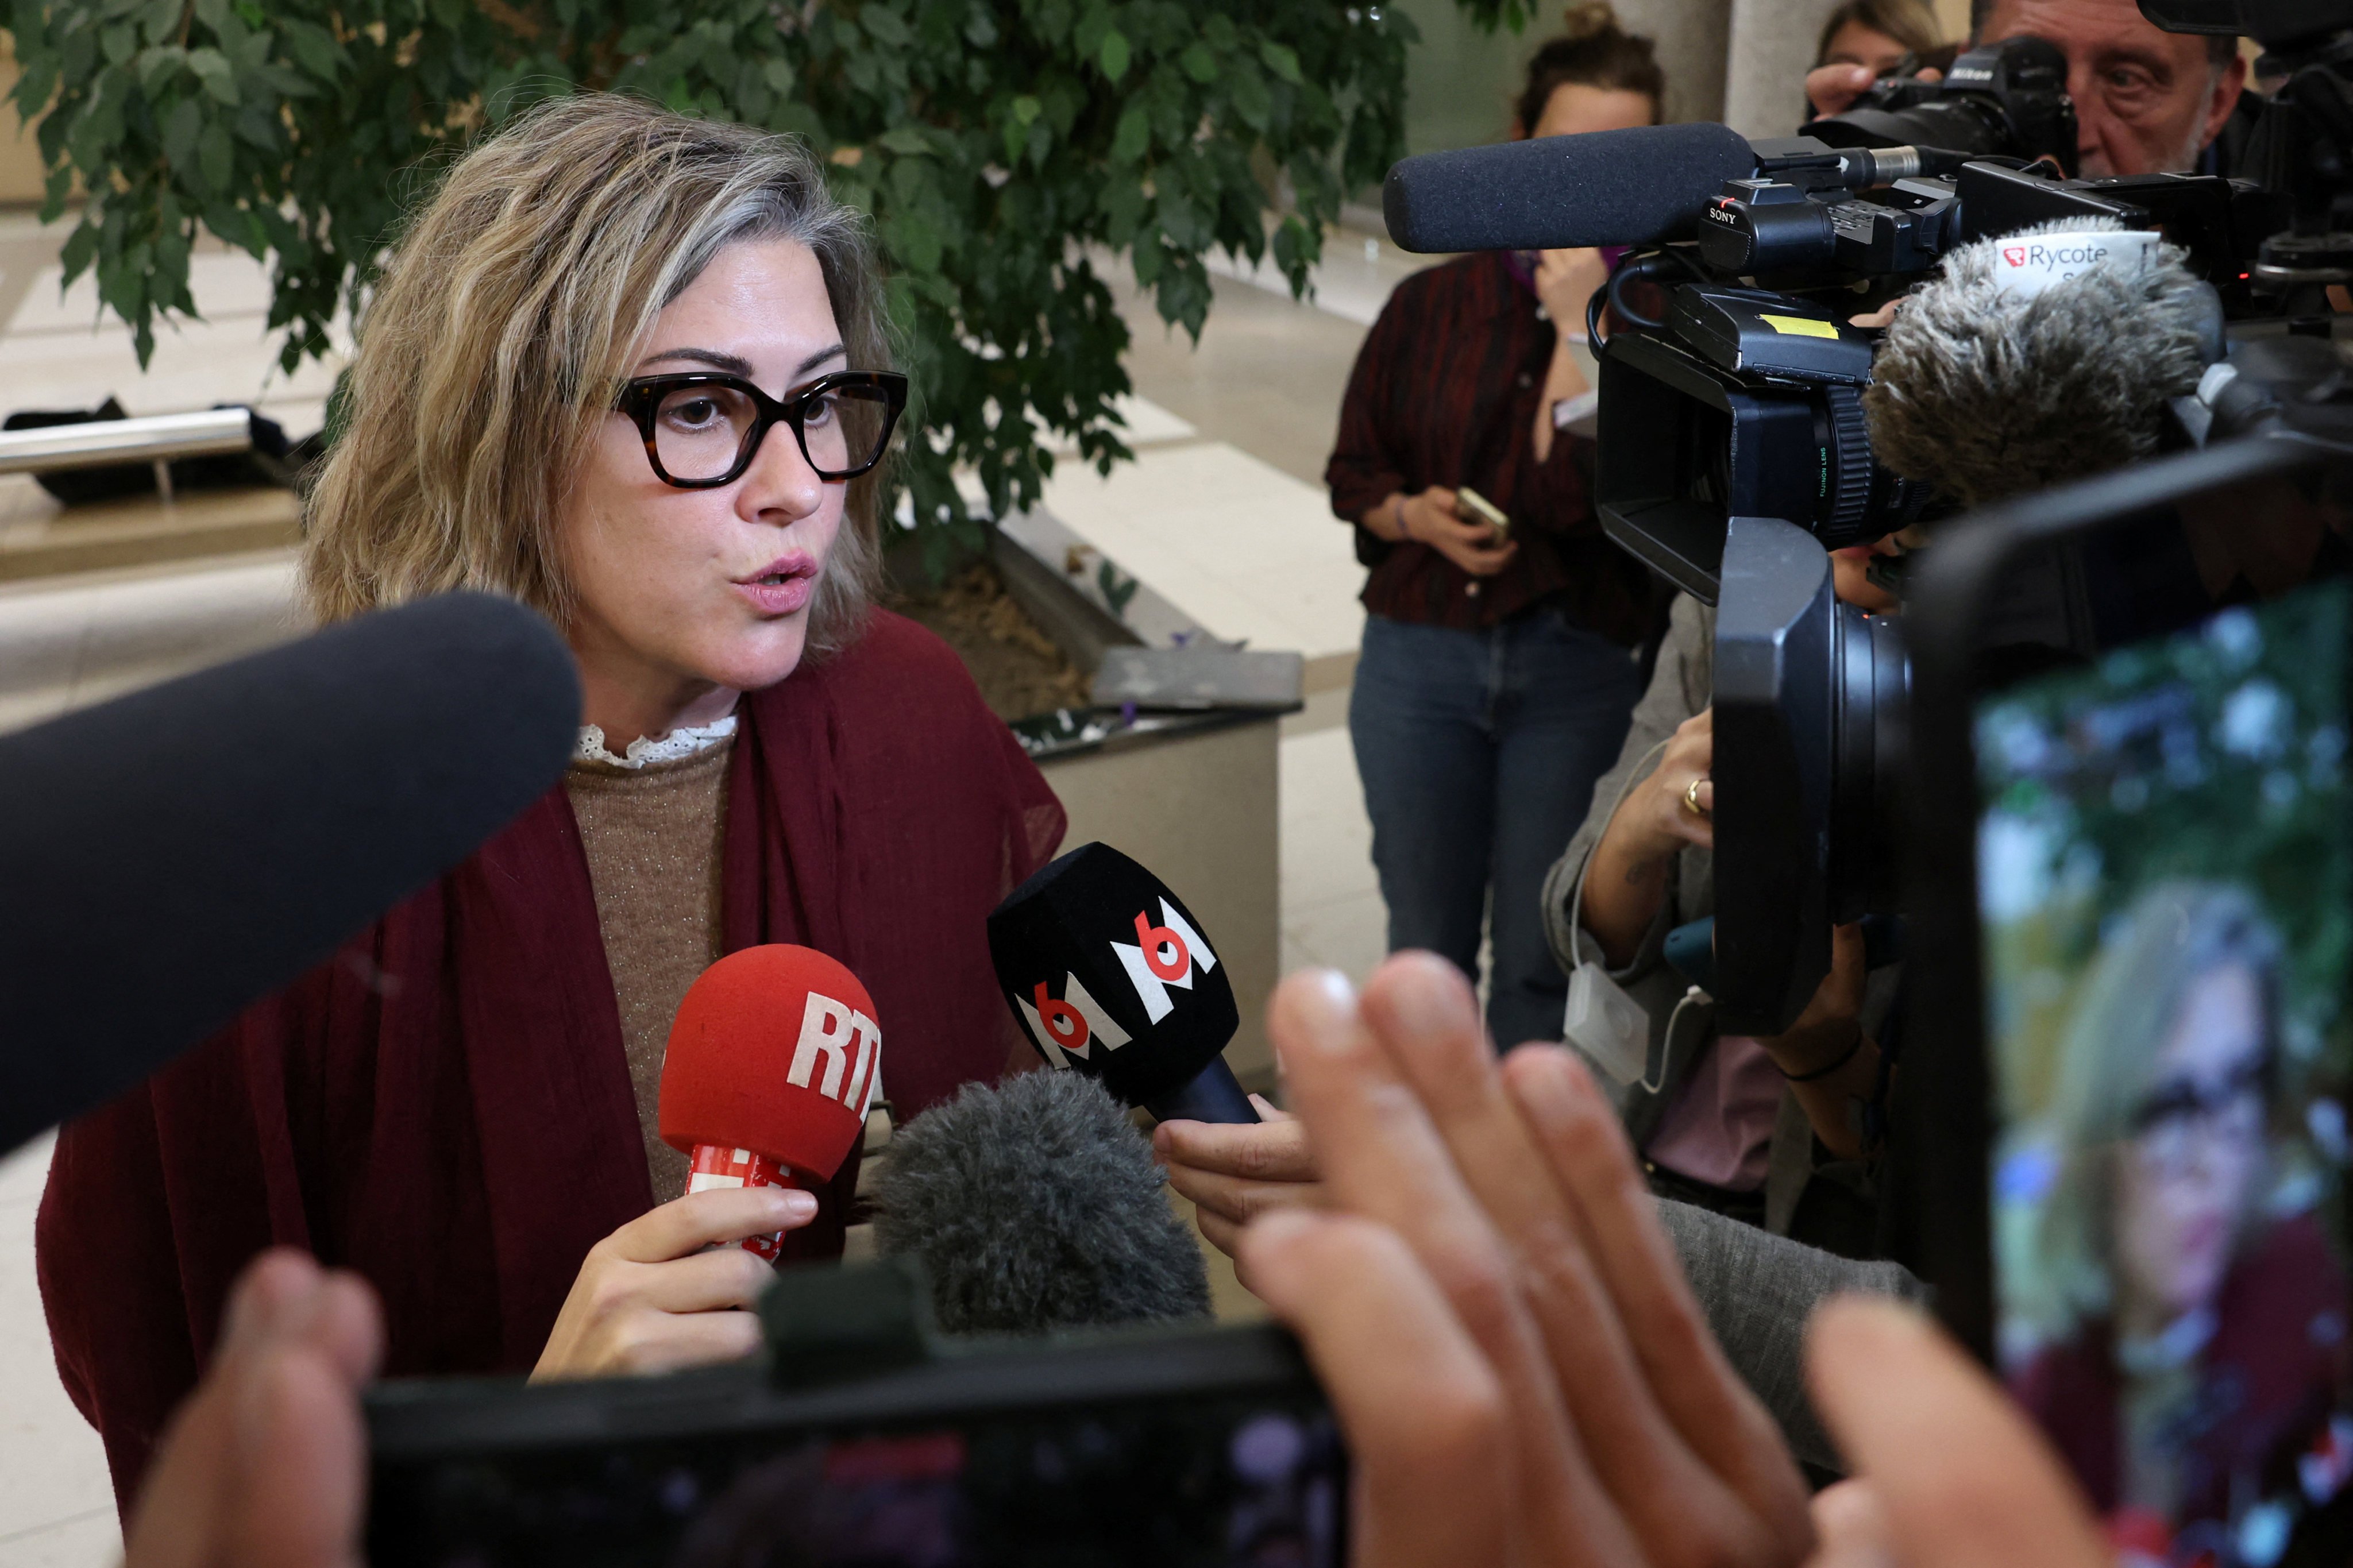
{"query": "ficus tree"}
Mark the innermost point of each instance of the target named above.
(1001, 146)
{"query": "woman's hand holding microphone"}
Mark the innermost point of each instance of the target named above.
(670, 1288)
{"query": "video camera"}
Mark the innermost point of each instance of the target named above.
(1733, 451)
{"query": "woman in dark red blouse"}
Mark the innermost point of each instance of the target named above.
(631, 368)
(1497, 671)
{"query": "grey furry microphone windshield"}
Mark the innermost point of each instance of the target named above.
(1036, 1206)
(1984, 389)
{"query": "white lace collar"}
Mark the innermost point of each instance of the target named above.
(670, 748)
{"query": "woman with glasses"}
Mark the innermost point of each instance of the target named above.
(631, 369)
(2173, 1313)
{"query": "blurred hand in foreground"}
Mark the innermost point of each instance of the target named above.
(265, 1466)
(1521, 1371)
(1519, 1366)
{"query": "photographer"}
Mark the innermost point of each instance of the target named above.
(1496, 670)
(1763, 1131)
(2147, 101)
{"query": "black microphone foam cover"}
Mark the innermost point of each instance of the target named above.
(171, 856)
(1110, 976)
(1034, 1206)
(1636, 186)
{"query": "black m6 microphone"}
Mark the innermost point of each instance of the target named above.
(1033, 1206)
(169, 857)
(1112, 977)
(1637, 186)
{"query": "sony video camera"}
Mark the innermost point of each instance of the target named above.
(1732, 449)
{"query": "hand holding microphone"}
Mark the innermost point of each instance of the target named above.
(1232, 1172)
(673, 1288)
(772, 1063)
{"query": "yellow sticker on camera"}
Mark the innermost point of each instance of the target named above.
(1801, 326)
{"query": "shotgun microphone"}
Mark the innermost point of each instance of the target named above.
(1635, 187)
(172, 855)
(1110, 975)
(772, 1061)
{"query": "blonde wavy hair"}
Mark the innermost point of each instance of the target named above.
(2174, 934)
(505, 324)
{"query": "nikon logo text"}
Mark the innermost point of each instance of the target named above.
(840, 1047)
(1070, 1026)
(1163, 955)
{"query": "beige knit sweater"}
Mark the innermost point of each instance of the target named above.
(652, 834)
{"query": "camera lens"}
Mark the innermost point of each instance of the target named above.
(1871, 685)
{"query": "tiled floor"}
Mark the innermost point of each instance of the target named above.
(1223, 513)
(56, 1509)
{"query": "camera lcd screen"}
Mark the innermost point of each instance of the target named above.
(1216, 1481)
(2164, 872)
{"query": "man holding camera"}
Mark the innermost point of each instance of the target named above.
(2147, 101)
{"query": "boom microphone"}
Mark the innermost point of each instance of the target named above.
(1636, 186)
(2038, 358)
(171, 856)
(772, 1060)
(1034, 1206)
(1110, 975)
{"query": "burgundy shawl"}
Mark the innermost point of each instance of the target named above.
(445, 1106)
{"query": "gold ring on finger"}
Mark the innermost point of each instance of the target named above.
(1691, 796)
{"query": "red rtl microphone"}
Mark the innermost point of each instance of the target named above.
(772, 1061)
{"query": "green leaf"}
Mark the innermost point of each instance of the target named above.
(1282, 59)
(1114, 54)
(884, 26)
(212, 68)
(1198, 62)
(914, 240)
(1123, 202)
(1135, 135)
(216, 158)
(1251, 100)
(180, 128)
(908, 141)
(79, 247)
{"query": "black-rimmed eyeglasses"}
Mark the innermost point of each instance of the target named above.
(702, 429)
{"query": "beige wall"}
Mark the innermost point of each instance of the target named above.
(20, 159)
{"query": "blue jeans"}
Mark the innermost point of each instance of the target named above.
(1479, 750)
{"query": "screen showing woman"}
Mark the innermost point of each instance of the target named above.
(2163, 876)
